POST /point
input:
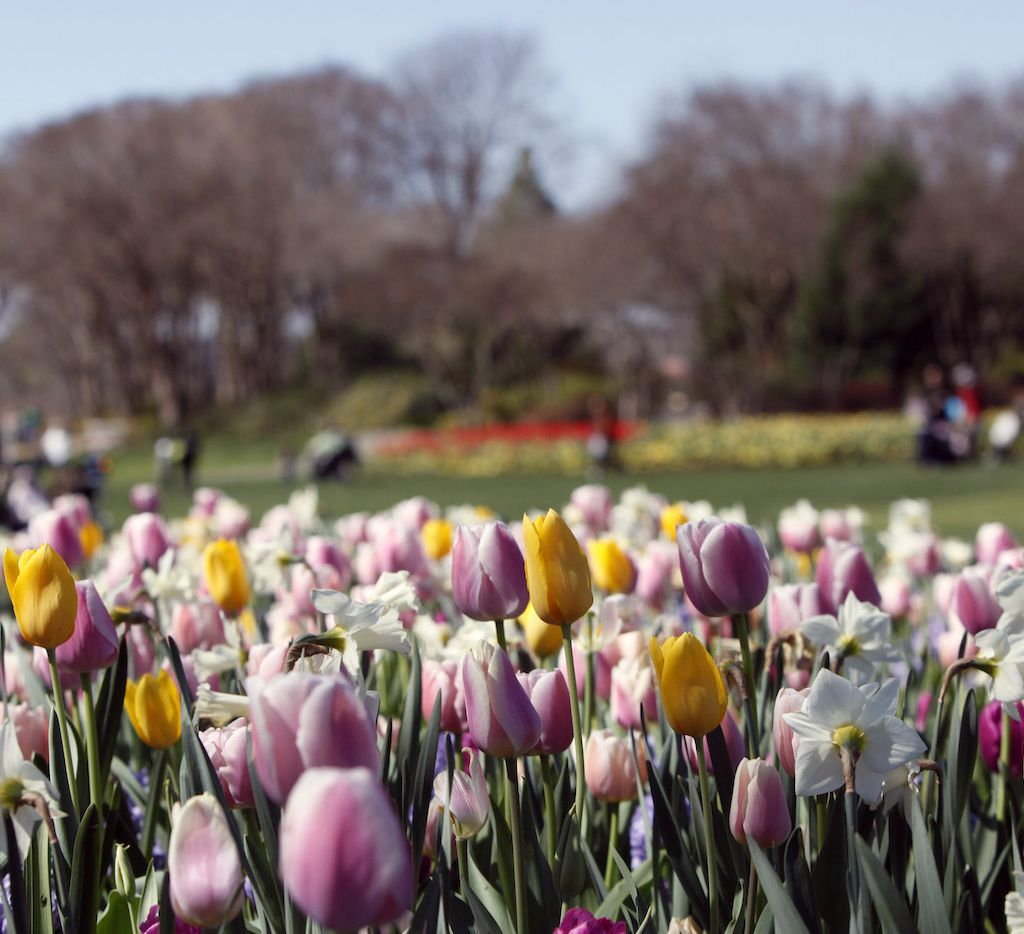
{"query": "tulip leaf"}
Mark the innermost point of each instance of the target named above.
(931, 914)
(85, 871)
(110, 707)
(722, 767)
(485, 896)
(67, 827)
(179, 675)
(409, 731)
(166, 909)
(540, 885)
(423, 789)
(798, 882)
(116, 917)
(893, 912)
(829, 872)
(37, 867)
(425, 916)
(629, 885)
(18, 899)
(265, 883)
(786, 915)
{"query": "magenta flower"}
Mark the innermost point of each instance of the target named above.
(502, 721)
(759, 809)
(990, 735)
(226, 748)
(94, 644)
(488, 572)
(843, 568)
(581, 921)
(790, 604)
(724, 564)
(549, 695)
(973, 602)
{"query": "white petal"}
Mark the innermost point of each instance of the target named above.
(833, 700)
(818, 769)
(881, 701)
(868, 784)
(821, 630)
(804, 727)
(890, 742)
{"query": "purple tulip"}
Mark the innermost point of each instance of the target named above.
(549, 695)
(724, 564)
(59, 531)
(443, 678)
(990, 736)
(151, 924)
(992, 540)
(147, 537)
(734, 743)
(843, 568)
(502, 721)
(654, 573)
(145, 497)
(973, 602)
(786, 744)
(790, 604)
(581, 921)
(344, 858)
(226, 748)
(203, 865)
(302, 720)
(594, 501)
(488, 572)
(759, 810)
(93, 645)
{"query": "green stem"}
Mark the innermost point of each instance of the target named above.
(512, 790)
(550, 830)
(750, 700)
(92, 745)
(156, 779)
(850, 803)
(819, 807)
(709, 835)
(577, 730)
(613, 842)
(62, 721)
(499, 625)
(930, 781)
(463, 857)
(752, 886)
(1004, 768)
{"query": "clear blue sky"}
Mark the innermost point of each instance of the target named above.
(612, 59)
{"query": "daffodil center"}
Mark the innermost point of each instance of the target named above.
(334, 638)
(11, 791)
(849, 737)
(848, 646)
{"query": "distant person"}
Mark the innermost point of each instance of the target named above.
(601, 443)
(933, 439)
(55, 445)
(968, 395)
(189, 457)
(163, 457)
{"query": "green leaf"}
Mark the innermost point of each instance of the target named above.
(423, 787)
(489, 897)
(798, 882)
(409, 732)
(85, 871)
(628, 885)
(931, 914)
(38, 870)
(19, 900)
(116, 917)
(545, 904)
(892, 909)
(785, 912)
(265, 883)
(166, 909)
(110, 707)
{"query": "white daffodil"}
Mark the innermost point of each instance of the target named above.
(911, 513)
(1014, 905)
(596, 631)
(168, 583)
(364, 627)
(837, 716)
(216, 661)
(267, 559)
(956, 553)
(1010, 591)
(304, 505)
(218, 707)
(859, 639)
(395, 590)
(900, 788)
(1001, 659)
(24, 791)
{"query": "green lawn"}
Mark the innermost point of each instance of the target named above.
(962, 497)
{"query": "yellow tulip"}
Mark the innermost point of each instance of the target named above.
(437, 538)
(672, 517)
(91, 537)
(225, 575)
(613, 571)
(542, 638)
(692, 690)
(557, 573)
(154, 708)
(43, 594)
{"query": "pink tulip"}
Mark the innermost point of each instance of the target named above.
(226, 748)
(798, 530)
(203, 865)
(443, 678)
(759, 809)
(122, 576)
(594, 502)
(581, 921)
(31, 728)
(94, 643)
(76, 507)
(344, 858)
(151, 924)
(843, 568)
(632, 685)
(488, 572)
(790, 604)
(415, 512)
(725, 566)
(197, 626)
(549, 695)
(300, 721)
(147, 538)
(469, 804)
(602, 671)
(654, 573)
(610, 770)
(266, 660)
(786, 744)
(398, 547)
(992, 540)
(502, 721)
(896, 596)
(924, 705)
(947, 645)
(990, 737)
(352, 529)
(835, 524)
(365, 565)
(972, 600)
(145, 497)
(204, 501)
(323, 552)
(59, 531)
(734, 744)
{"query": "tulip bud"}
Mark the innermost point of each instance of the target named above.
(488, 575)
(43, 593)
(557, 573)
(786, 744)
(632, 685)
(443, 678)
(692, 690)
(581, 921)
(224, 572)
(145, 497)
(91, 537)
(502, 721)
(31, 728)
(990, 737)
(300, 721)
(843, 568)
(147, 538)
(798, 527)
(93, 644)
(542, 638)
(654, 573)
(154, 709)
(594, 503)
(226, 747)
(790, 604)
(437, 538)
(759, 809)
(124, 876)
(610, 770)
(344, 858)
(469, 805)
(973, 602)
(897, 597)
(992, 540)
(203, 864)
(58, 530)
(549, 695)
(724, 565)
(611, 567)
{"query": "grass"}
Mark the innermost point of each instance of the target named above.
(962, 497)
